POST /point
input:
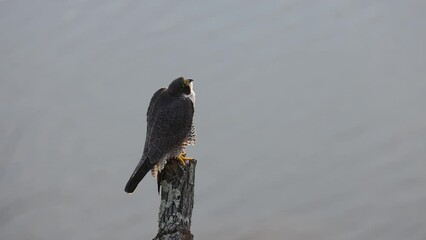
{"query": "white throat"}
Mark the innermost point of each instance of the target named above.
(192, 94)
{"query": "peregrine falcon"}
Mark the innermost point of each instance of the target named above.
(170, 128)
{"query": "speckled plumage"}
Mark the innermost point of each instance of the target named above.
(170, 128)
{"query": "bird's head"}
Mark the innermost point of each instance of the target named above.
(181, 86)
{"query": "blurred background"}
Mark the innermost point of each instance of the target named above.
(310, 115)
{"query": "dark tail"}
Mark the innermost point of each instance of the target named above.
(141, 170)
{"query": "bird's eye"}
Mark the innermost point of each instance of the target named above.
(182, 86)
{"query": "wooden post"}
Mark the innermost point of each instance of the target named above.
(177, 201)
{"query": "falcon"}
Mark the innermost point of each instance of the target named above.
(170, 128)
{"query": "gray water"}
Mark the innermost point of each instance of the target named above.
(311, 117)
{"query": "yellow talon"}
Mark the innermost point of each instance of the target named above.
(183, 153)
(182, 159)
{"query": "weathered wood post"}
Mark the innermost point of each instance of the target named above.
(177, 201)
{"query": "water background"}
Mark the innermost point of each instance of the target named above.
(311, 117)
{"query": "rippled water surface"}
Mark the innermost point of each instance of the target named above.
(311, 117)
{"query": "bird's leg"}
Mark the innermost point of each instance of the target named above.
(182, 158)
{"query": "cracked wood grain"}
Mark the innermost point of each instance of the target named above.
(177, 201)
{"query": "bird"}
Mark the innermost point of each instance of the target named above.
(170, 128)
